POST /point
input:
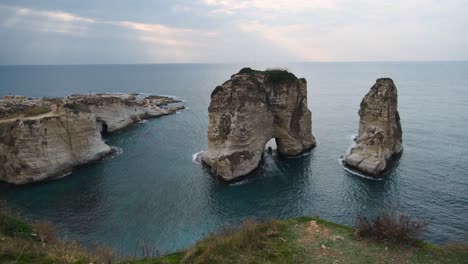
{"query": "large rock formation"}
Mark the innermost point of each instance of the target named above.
(250, 109)
(46, 138)
(379, 138)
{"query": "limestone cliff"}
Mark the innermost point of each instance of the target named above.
(379, 139)
(250, 109)
(46, 138)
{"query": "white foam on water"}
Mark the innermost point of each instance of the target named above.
(143, 121)
(62, 176)
(170, 96)
(196, 158)
(307, 153)
(245, 181)
(117, 151)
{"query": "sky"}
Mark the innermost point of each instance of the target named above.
(230, 31)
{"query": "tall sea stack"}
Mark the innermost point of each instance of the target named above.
(379, 140)
(250, 109)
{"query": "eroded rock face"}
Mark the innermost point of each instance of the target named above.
(46, 138)
(250, 109)
(379, 140)
(40, 148)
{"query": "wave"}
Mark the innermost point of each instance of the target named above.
(62, 176)
(196, 158)
(353, 138)
(115, 152)
(307, 153)
(238, 183)
(170, 96)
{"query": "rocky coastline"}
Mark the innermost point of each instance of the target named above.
(42, 139)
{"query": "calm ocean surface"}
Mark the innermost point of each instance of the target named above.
(153, 191)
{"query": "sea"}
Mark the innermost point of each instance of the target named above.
(155, 193)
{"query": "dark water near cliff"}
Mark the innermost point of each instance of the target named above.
(154, 192)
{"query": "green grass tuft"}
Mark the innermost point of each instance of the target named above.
(35, 111)
(11, 226)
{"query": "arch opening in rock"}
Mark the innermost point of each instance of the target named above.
(271, 146)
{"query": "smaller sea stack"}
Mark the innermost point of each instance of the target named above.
(379, 141)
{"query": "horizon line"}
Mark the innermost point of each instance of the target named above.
(230, 63)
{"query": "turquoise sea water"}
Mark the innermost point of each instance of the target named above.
(154, 192)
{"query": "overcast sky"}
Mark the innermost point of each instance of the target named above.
(176, 31)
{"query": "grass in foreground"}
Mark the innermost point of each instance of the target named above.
(300, 240)
(307, 240)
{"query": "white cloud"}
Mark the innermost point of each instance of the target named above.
(294, 30)
(44, 21)
(157, 41)
(233, 6)
(68, 23)
(158, 28)
(290, 38)
(352, 30)
(55, 15)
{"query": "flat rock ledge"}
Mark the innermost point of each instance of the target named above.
(247, 111)
(42, 139)
(379, 140)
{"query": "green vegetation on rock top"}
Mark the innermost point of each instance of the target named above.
(272, 75)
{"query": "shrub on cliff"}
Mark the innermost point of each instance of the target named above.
(390, 226)
(35, 111)
(10, 225)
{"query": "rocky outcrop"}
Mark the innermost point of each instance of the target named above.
(250, 109)
(379, 141)
(46, 138)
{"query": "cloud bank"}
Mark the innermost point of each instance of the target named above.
(234, 31)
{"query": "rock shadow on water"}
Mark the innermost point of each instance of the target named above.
(370, 196)
(63, 202)
(274, 190)
(271, 164)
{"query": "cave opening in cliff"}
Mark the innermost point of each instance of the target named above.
(104, 128)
